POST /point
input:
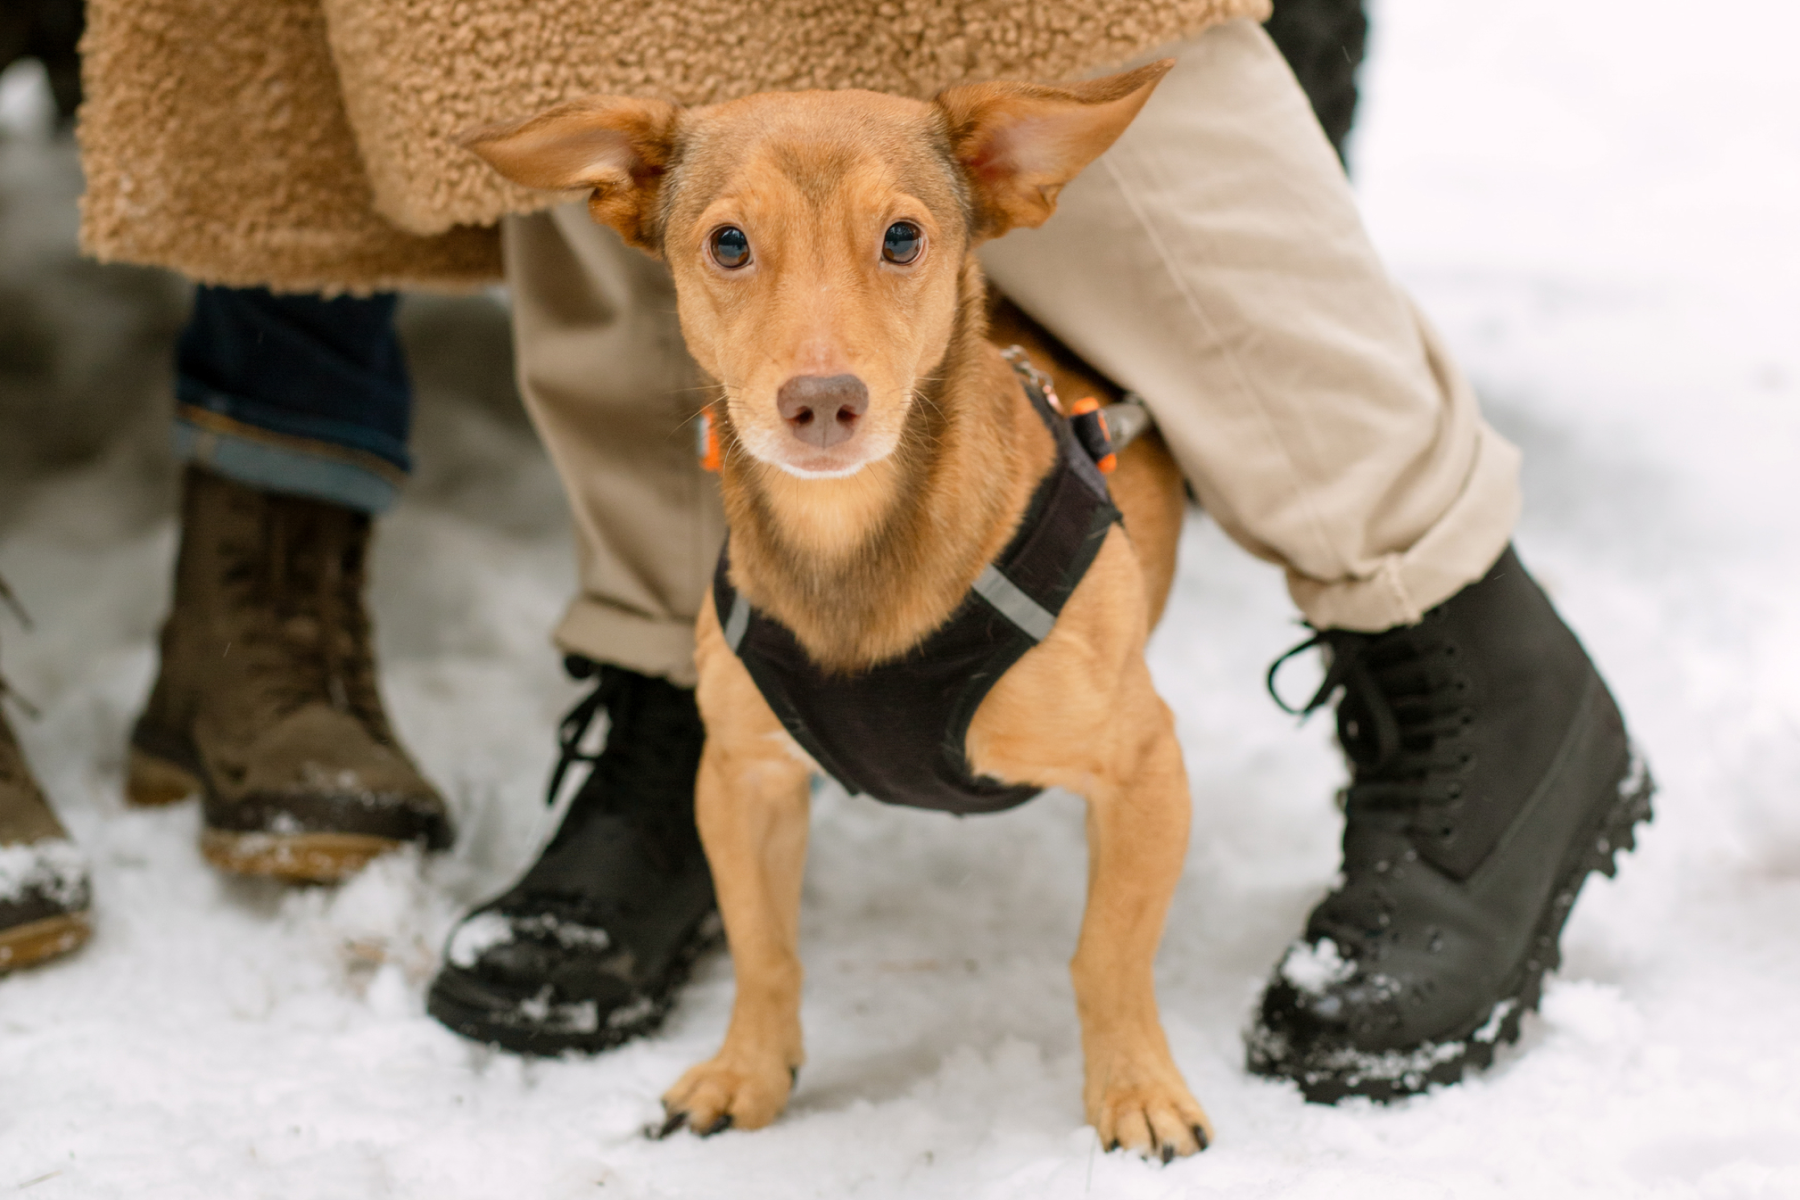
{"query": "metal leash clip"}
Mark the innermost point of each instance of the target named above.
(1102, 429)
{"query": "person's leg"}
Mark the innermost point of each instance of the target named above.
(609, 385)
(587, 948)
(295, 394)
(1213, 261)
(292, 415)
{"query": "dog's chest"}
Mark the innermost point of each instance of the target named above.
(896, 731)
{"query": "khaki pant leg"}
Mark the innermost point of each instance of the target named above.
(608, 382)
(1213, 260)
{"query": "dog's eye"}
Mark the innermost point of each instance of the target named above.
(730, 248)
(902, 242)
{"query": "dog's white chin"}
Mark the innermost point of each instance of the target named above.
(809, 473)
(824, 465)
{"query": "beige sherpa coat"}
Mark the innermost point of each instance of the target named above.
(310, 144)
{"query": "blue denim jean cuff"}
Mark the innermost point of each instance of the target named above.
(291, 465)
(294, 393)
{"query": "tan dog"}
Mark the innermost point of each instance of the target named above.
(877, 454)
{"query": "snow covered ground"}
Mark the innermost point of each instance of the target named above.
(1596, 202)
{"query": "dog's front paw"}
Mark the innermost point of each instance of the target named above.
(1157, 1119)
(726, 1093)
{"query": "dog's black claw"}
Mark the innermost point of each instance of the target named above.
(1200, 1137)
(1113, 1145)
(674, 1121)
(719, 1125)
(1168, 1155)
(793, 1077)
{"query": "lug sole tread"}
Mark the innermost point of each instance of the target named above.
(297, 857)
(474, 1023)
(155, 781)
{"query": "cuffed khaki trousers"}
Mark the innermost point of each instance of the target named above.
(1212, 260)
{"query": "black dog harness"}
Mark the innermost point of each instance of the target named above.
(895, 731)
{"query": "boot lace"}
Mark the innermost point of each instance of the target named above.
(1401, 720)
(644, 771)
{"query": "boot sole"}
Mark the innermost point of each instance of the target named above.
(36, 941)
(296, 857)
(155, 782)
(1614, 829)
(459, 1009)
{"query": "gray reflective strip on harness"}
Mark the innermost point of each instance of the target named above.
(1014, 605)
(738, 623)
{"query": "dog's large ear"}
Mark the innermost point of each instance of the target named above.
(615, 145)
(1019, 143)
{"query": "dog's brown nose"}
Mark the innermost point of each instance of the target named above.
(822, 409)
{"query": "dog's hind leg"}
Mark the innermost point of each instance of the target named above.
(1137, 838)
(751, 799)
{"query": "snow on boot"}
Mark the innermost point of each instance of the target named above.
(587, 949)
(267, 704)
(1490, 773)
(43, 876)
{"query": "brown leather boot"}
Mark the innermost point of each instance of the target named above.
(43, 877)
(267, 703)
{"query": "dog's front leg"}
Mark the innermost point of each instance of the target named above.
(751, 799)
(1137, 838)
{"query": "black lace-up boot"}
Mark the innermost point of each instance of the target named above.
(1490, 773)
(587, 949)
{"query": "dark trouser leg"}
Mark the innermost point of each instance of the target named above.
(296, 394)
(1323, 42)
